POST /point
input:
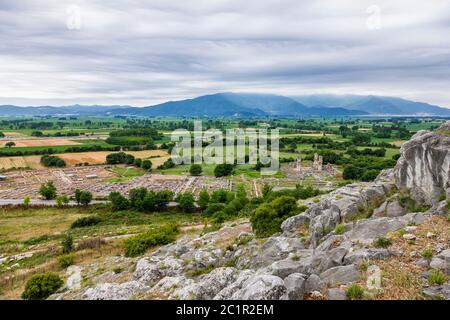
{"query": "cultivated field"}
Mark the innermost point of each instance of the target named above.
(41, 142)
(157, 157)
(32, 162)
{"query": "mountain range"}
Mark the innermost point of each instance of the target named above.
(248, 105)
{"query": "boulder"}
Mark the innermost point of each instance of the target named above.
(442, 291)
(313, 283)
(365, 254)
(261, 287)
(442, 261)
(110, 291)
(424, 166)
(151, 270)
(228, 292)
(337, 294)
(295, 286)
(340, 275)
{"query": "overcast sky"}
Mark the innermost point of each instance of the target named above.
(55, 52)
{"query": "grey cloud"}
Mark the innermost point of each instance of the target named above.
(145, 52)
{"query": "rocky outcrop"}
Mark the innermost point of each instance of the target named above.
(287, 266)
(424, 166)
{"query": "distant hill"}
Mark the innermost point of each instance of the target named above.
(248, 105)
(373, 104)
(237, 105)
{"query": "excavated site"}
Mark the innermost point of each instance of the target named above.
(371, 234)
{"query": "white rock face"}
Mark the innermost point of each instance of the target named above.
(112, 291)
(424, 166)
(261, 287)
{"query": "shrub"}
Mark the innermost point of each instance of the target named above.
(195, 170)
(436, 276)
(137, 245)
(66, 260)
(52, 161)
(118, 201)
(340, 229)
(67, 243)
(119, 157)
(83, 197)
(354, 292)
(48, 190)
(203, 199)
(213, 208)
(62, 201)
(265, 221)
(382, 242)
(222, 170)
(186, 201)
(427, 253)
(41, 286)
(147, 165)
(26, 201)
(85, 222)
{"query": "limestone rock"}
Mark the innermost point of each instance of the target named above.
(341, 275)
(261, 287)
(424, 166)
(110, 291)
(337, 294)
(295, 285)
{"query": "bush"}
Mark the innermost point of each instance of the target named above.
(120, 158)
(147, 165)
(85, 222)
(187, 202)
(222, 170)
(137, 245)
(26, 201)
(41, 286)
(340, 229)
(354, 292)
(48, 190)
(118, 201)
(66, 260)
(67, 243)
(62, 201)
(195, 170)
(203, 199)
(83, 197)
(52, 161)
(436, 276)
(382, 242)
(265, 221)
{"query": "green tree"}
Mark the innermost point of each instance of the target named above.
(203, 199)
(67, 243)
(222, 170)
(351, 172)
(186, 202)
(118, 201)
(41, 286)
(195, 170)
(83, 197)
(10, 144)
(48, 191)
(147, 165)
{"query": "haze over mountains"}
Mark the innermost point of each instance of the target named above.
(249, 105)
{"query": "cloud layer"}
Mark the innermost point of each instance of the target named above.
(145, 52)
